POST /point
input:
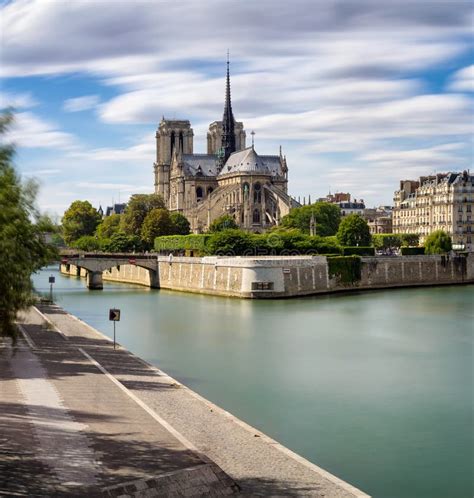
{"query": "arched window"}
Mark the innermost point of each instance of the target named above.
(257, 193)
(172, 138)
(256, 216)
(199, 193)
(209, 190)
(246, 189)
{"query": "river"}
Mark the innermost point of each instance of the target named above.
(375, 387)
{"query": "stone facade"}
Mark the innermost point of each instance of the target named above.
(438, 202)
(230, 179)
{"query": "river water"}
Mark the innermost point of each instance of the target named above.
(375, 387)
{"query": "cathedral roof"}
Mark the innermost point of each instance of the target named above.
(195, 164)
(248, 161)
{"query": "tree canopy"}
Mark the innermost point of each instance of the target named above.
(157, 222)
(22, 244)
(327, 217)
(438, 242)
(108, 226)
(180, 223)
(353, 231)
(136, 211)
(80, 219)
(224, 222)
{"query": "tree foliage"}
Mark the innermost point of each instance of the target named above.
(354, 231)
(327, 217)
(22, 244)
(157, 222)
(180, 224)
(224, 222)
(438, 242)
(136, 211)
(121, 242)
(80, 219)
(108, 226)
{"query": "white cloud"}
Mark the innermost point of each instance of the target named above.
(17, 100)
(84, 103)
(324, 77)
(463, 80)
(31, 131)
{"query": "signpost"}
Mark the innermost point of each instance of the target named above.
(52, 280)
(114, 316)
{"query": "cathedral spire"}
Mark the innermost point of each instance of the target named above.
(228, 133)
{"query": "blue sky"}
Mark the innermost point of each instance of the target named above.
(360, 94)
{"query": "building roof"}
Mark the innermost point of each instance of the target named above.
(248, 161)
(200, 164)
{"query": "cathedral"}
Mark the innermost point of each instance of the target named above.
(230, 179)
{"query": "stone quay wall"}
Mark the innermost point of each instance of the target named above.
(282, 276)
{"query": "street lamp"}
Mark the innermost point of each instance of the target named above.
(52, 280)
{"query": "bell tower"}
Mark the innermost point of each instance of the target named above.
(171, 135)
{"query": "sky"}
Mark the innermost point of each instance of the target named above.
(359, 94)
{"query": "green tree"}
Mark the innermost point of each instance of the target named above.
(136, 211)
(353, 231)
(224, 222)
(438, 242)
(109, 226)
(180, 224)
(87, 243)
(22, 243)
(231, 242)
(78, 220)
(157, 222)
(410, 239)
(384, 241)
(327, 217)
(121, 242)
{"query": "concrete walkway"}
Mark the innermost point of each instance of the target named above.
(92, 421)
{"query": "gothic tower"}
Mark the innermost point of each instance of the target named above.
(172, 135)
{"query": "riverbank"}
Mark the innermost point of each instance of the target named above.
(272, 276)
(258, 464)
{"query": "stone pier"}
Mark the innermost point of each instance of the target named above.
(94, 280)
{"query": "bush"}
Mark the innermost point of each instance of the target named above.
(387, 240)
(347, 269)
(358, 250)
(283, 242)
(438, 242)
(231, 243)
(412, 251)
(410, 239)
(172, 243)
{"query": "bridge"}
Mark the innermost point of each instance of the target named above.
(95, 264)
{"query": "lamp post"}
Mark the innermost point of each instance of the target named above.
(52, 280)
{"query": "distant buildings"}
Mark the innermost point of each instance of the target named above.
(438, 202)
(343, 200)
(115, 209)
(379, 219)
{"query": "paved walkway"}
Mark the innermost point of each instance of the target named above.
(90, 420)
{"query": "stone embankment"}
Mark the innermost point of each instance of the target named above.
(273, 276)
(80, 418)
